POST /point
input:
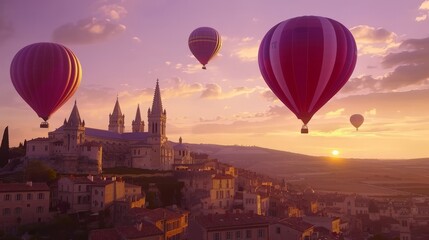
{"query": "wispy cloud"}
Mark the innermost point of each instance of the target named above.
(373, 41)
(87, 31)
(113, 11)
(214, 91)
(423, 10)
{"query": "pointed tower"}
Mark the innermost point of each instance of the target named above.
(157, 118)
(138, 124)
(116, 119)
(74, 131)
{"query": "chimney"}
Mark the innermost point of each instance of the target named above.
(138, 226)
(29, 183)
(113, 178)
(91, 178)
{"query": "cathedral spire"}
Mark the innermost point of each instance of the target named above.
(157, 103)
(116, 119)
(74, 119)
(117, 109)
(138, 115)
(138, 124)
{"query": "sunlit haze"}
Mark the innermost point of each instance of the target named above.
(124, 46)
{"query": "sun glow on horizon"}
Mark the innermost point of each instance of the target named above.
(335, 153)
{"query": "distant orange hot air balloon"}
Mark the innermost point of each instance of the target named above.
(45, 75)
(204, 43)
(356, 120)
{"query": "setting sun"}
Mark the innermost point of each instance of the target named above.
(335, 152)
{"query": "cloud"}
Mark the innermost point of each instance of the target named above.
(245, 49)
(410, 70)
(214, 91)
(334, 114)
(87, 31)
(421, 18)
(113, 11)
(424, 7)
(269, 96)
(373, 41)
(137, 40)
(371, 112)
(247, 54)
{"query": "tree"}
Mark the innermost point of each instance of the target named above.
(37, 171)
(4, 148)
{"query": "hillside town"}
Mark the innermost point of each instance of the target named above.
(117, 185)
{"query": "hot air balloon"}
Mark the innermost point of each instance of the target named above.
(46, 75)
(305, 61)
(356, 120)
(204, 43)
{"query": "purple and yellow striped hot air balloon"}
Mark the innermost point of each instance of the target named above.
(46, 75)
(305, 61)
(204, 43)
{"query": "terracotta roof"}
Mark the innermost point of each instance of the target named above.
(231, 220)
(296, 223)
(155, 215)
(104, 234)
(23, 187)
(131, 232)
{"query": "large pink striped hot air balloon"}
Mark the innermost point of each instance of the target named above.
(306, 61)
(204, 43)
(46, 75)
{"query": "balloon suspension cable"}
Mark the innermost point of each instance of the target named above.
(44, 125)
(204, 67)
(304, 129)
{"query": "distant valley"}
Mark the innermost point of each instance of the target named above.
(363, 176)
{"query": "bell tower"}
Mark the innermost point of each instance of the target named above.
(157, 118)
(116, 119)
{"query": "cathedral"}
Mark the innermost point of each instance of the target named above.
(75, 148)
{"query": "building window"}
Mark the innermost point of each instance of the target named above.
(238, 235)
(7, 197)
(39, 210)
(29, 196)
(101, 204)
(261, 233)
(248, 233)
(228, 235)
(216, 236)
(278, 230)
(18, 210)
(34, 148)
(40, 196)
(96, 192)
(80, 188)
(6, 211)
(18, 197)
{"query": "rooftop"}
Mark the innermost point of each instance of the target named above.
(231, 220)
(23, 187)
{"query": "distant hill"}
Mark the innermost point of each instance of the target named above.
(370, 176)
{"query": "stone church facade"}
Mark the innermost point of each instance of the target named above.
(75, 148)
